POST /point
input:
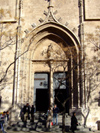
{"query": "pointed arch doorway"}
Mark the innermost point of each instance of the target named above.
(42, 59)
(45, 88)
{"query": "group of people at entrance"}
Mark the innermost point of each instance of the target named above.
(74, 122)
(25, 113)
(55, 116)
(27, 110)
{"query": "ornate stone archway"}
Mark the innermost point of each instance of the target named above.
(32, 60)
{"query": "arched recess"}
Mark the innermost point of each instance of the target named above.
(37, 41)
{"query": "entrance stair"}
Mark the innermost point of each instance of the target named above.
(39, 125)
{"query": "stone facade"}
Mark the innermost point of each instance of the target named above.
(32, 32)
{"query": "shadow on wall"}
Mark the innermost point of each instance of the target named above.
(97, 100)
(4, 105)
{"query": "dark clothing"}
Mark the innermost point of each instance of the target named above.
(74, 123)
(7, 117)
(1, 119)
(55, 110)
(55, 116)
(26, 109)
(22, 114)
(32, 113)
(2, 122)
(32, 110)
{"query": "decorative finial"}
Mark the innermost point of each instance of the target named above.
(50, 14)
(50, 4)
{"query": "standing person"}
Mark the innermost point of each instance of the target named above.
(22, 113)
(55, 114)
(48, 119)
(2, 122)
(5, 121)
(74, 122)
(7, 113)
(26, 111)
(32, 113)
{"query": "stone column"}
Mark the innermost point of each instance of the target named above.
(31, 95)
(78, 81)
(51, 86)
(71, 82)
(18, 64)
(33, 91)
(81, 37)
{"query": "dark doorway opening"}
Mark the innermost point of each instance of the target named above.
(42, 100)
(61, 87)
(62, 95)
(41, 91)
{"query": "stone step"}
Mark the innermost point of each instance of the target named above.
(40, 128)
(81, 128)
(39, 124)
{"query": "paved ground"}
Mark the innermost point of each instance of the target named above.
(53, 132)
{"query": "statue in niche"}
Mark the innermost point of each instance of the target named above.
(49, 51)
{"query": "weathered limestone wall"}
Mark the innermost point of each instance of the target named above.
(62, 11)
(67, 13)
(92, 9)
(9, 10)
(7, 44)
